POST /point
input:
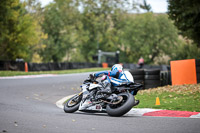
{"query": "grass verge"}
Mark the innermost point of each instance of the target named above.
(183, 98)
(17, 73)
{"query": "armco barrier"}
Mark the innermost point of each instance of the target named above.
(19, 66)
(60, 66)
(12, 65)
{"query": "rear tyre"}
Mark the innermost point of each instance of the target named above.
(72, 104)
(123, 107)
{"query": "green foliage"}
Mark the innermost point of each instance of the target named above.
(186, 16)
(68, 30)
(71, 31)
(100, 24)
(34, 8)
(18, 31)
(60, 25)
(145, 6)
(148, 35)
(185, 50)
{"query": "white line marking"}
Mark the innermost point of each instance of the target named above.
(140, 111)
(60, 102)
(195, 116)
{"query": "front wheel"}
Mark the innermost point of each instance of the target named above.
(123, 107)
(72, 104)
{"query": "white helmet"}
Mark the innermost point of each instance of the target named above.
(117, 67)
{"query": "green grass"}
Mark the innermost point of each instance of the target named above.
(184, 98)
(17, 73)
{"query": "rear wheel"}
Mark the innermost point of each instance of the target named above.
(72, 104)
(123, 107)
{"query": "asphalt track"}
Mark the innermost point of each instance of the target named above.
(28, 105)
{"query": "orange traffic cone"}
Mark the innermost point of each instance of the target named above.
(26, 67)
(157, 101)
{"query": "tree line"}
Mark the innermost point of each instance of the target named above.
(74, 30)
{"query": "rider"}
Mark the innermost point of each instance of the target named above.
(114, 77)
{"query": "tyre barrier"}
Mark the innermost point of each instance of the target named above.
(165, 78)
(151, 78)
(198, 70)
(197, 62)
(138, 76)
(154, 77)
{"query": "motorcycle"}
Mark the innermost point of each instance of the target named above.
(90, 99)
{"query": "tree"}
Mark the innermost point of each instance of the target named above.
(148, 35)
(60, 25)
(145, 6)
(34, 8)
(76, 31)
(18, 31)
(101, 23)
(185, 50)
(186, 16)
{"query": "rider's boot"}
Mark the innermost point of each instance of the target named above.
(136, 102)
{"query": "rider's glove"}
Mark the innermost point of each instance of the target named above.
(103, 77)
(92, 76)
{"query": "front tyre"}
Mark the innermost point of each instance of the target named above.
(123, 107)
(72, 104)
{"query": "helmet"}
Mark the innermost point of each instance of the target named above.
(117, 67)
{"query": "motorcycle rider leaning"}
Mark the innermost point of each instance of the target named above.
(114, 77)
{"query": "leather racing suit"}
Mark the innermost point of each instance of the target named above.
(115, 77)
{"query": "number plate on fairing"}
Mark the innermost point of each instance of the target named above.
(98, 107)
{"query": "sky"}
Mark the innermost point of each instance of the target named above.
(158, 6)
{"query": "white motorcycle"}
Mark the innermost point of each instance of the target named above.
(117, 103)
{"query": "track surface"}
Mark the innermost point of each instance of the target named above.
(28, 106)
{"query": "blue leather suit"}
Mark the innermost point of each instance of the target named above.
(115, 77)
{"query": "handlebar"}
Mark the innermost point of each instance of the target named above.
(90, 79)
